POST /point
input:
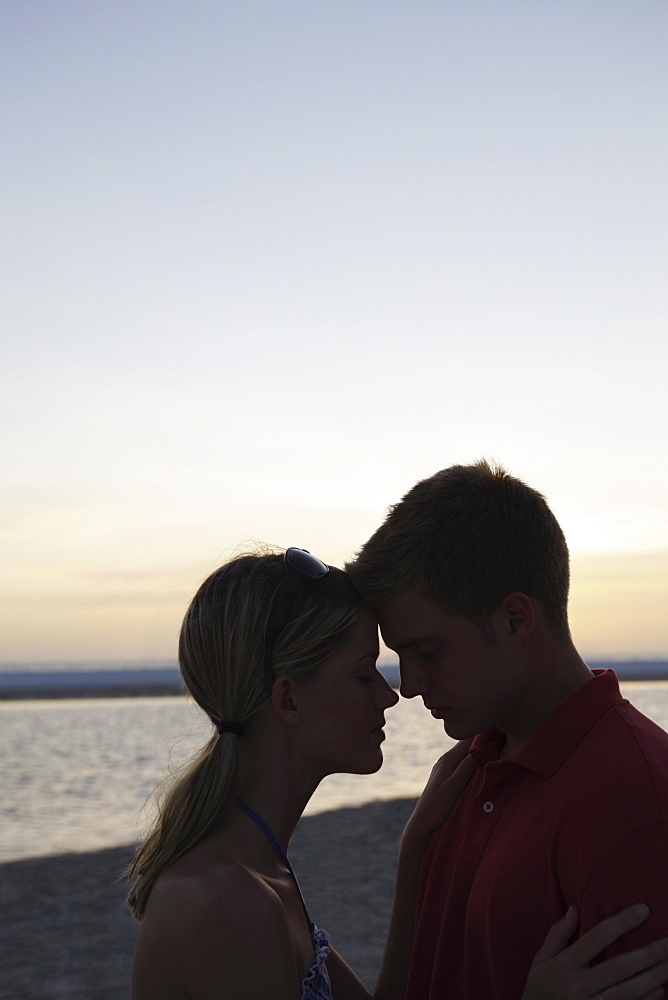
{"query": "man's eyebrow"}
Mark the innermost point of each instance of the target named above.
(415, 641)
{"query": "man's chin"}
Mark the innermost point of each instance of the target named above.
(454, 726)
(458, 731)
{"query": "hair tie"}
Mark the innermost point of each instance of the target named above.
(228, 727)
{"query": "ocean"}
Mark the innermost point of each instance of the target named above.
(76, 773)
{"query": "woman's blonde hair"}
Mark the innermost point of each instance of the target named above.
(221, 656)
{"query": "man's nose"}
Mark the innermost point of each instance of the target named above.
(412, 681)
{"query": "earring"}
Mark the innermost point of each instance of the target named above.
(291, 721)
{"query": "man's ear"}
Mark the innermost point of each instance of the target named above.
(517, 616)
(285, 699)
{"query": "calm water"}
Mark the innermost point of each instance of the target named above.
(75, 775)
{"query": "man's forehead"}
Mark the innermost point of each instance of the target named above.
(410, 602)
(410, 616)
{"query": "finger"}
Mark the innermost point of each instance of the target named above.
(456, 754)
(461, 776)
(558, 936)
(651, 958)
(451, 760)
(602, 935)
(640, 986)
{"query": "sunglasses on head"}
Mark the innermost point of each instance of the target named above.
(300, 567)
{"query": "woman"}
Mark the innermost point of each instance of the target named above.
(280, 653)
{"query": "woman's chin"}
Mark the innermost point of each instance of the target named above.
(372, 765)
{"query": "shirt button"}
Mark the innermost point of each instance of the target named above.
(488, 807)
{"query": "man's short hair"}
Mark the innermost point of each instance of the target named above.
(466, 537)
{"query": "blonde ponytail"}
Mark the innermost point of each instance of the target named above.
(221, 649)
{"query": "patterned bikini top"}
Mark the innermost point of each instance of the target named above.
(315, 985)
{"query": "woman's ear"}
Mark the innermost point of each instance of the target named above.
(285, 699)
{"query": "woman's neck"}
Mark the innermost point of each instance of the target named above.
(276, 783)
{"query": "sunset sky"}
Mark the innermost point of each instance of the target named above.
(266, 264)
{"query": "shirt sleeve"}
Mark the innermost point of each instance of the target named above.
(635, 871)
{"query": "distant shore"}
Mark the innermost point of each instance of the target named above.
(30, 682)
(66, 933)
(16, 685)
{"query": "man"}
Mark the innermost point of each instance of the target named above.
(469, 576)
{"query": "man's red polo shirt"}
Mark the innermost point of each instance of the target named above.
(579, 815)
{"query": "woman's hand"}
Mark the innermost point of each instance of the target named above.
(448, 779)
(562, 972)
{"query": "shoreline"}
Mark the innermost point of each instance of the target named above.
(67, 934)
(44, 685)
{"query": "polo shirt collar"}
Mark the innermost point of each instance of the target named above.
(554, 742)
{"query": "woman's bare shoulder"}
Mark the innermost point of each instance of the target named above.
(218, 924)
(223, 893)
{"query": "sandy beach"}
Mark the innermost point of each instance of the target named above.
(66, 934)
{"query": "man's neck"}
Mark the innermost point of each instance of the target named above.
(560, 672)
